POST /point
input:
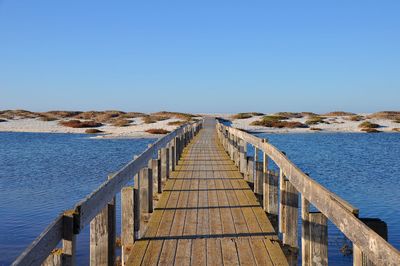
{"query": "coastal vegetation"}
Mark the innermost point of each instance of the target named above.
(246, 115)
(277, 121)
(93, 131)
(368, 124)
(121, 122)
(390, 115)
(369, 127)
(157, 131)
(314, 120)
(288, 115)
(339, 113)
(176, 123)
(80, 124)
(355, 118)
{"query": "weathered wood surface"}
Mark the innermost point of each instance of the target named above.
(337, 210)
(89, 207)
(207, 214)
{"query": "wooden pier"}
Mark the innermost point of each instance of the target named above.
(199, 198)
(207, 215)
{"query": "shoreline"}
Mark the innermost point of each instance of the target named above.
(137, 126)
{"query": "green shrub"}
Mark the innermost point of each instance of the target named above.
(176, 123)
(370, 130)
(368, 124)
(339, 113)
(80, 124)
(93, 131)
(120, 122)
(315, 120)
(355, 118)
(157, 131)
(242, 116)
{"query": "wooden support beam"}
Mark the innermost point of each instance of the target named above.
(291, 216)
(259, 178)
(380, 227)
(256, 159)
(172, 168)
(177, 148)
(318, 229)
(146, 190)
(243, 156)
(282, 203)
(102, 236)
(127, 222)
(54, 258)
(305, 232)
(164, 164)
(65, 256)
(250, 169)
(69, 239)
(136, 212)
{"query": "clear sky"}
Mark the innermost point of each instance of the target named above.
(200, 56)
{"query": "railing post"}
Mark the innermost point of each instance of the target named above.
(64, 256)
(380, 227)
(172, 148)
(270, 200)
(250, 169)
(136, 210)
(69, 239)
(318, 240)
(291, 215)
(102, 236)
(176, 152)
(157, 172)
(237, 151)
(259, 178)
(164, 163)
(127, 222)
(305, 232)
(282, 204)
(243, 154)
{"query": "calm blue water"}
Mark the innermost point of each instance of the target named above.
(363, 169)
(43, 174)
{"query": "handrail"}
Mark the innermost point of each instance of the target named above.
(87, 209)
(339, 211)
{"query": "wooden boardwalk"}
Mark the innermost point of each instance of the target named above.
(205, 211)
(207, 214)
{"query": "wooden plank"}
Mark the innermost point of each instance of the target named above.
(244, 251)
(260, 252)
(229, 252)
(318, 238)
(305, 232)
(127, 222)
(214, 252)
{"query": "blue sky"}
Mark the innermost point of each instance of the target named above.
(200, 56)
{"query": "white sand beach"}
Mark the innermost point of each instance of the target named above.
(137, 128)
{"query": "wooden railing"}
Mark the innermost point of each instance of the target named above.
(369, 248)
(148, 173)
